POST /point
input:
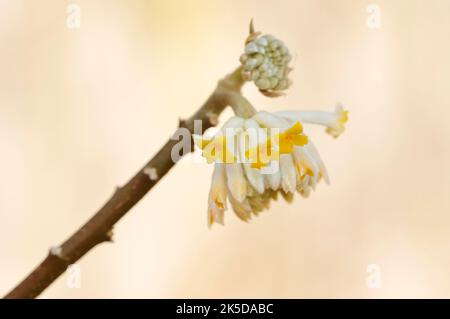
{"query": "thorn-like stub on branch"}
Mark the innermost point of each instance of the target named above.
(182, 123)
(213, 118)
(109, 236)
(252, 27)
(57, 251)
(252, 33)
(151, 172)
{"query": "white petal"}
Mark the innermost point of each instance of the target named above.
(251, 123)
(315, 154)
(230, 130)
(313, 117)
(253, 175)
(217, 195)
(273, 179)
(255, 178)
(215, 214)
(256, 134)
(288, 173)
(234, 122)
(218, 190)
(237, 184)
(267, 119)
(242, 210)
(305, 159)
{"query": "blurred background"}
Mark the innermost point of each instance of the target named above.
(81, 110)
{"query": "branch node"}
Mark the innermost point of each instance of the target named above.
(109, 236)
(151, 172)
(182, 123)
(57, 251)
(213, 118)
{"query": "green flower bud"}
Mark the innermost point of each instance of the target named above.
(265, 62)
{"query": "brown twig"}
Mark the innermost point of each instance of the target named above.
(98, 229)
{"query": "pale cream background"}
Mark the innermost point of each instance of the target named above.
(82, 110)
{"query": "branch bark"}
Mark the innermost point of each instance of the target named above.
(98, 229)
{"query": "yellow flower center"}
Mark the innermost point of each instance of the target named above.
(261, 155)
(216, 149)
(293, 136)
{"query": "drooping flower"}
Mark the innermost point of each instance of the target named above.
(263, 156)
(259, 155)
(217, 195)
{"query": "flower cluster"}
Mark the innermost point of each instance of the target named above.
(258, 157)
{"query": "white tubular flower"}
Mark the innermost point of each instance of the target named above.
(236, 181)
(333, 121)
(217, 195)
(288, 173)
(266, 63)
(273, 180)
(254, 176)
